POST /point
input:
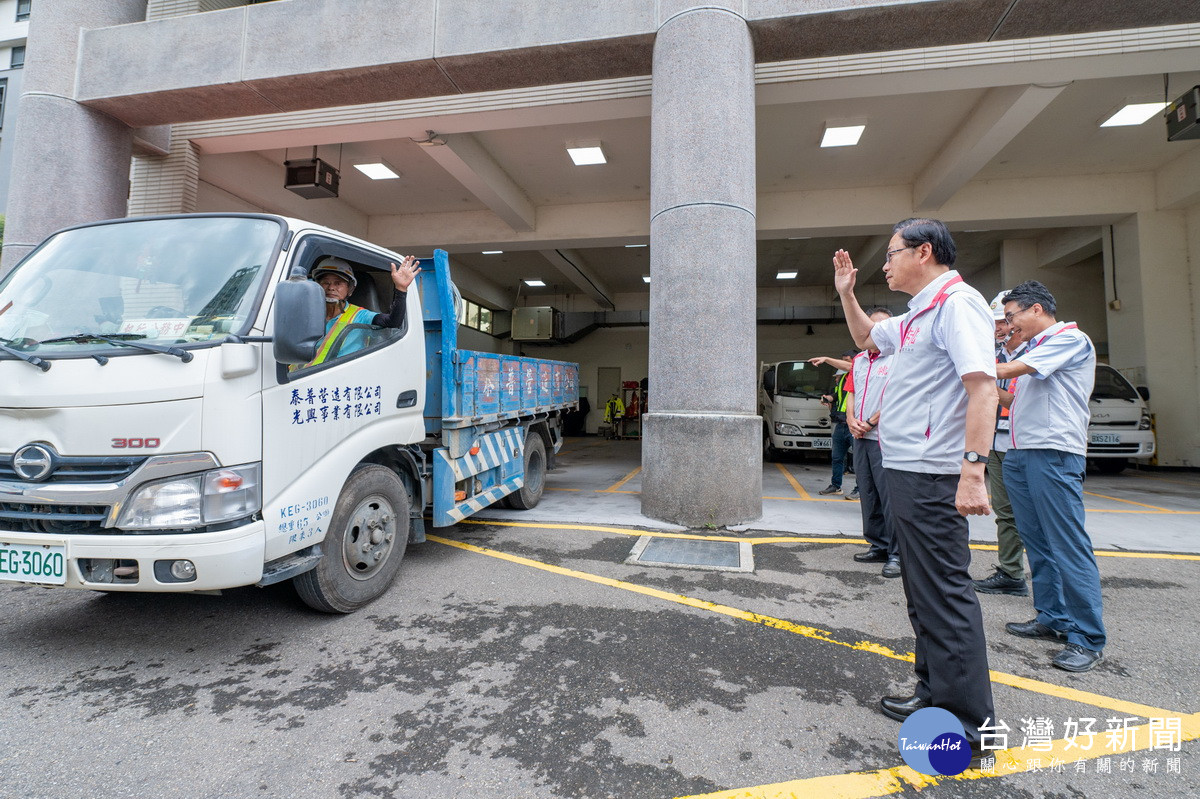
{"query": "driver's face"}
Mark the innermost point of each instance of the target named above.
(336, 288)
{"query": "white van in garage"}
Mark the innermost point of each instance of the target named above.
(1120, 426)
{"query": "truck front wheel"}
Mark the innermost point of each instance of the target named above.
(530, 494)
(368, 532)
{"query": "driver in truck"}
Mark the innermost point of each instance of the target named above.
(337, 280)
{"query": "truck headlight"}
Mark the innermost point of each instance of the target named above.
(195, 500)
(1144, 424)
(782, 429)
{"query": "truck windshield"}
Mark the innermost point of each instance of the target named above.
(1111, 384)
(803, 379)
(166, 281)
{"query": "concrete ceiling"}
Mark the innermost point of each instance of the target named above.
(516, 170)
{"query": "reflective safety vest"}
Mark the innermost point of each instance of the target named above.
(614, 409)
(343, 320)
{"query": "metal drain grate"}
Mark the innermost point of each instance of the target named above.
(729, 556)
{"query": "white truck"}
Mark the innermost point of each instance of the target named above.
(154, 436)
(789, 401)
(1120, 427)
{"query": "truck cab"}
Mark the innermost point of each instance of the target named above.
(1120, 427)
(789, 401)
(174, 416)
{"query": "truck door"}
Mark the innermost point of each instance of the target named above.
(321, 420)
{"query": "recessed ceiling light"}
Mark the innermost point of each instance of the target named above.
(637, 245)
(535, 283)
(845, 136)
(377, 171)
(785, 275)
(645, 278)
(586, 153)
(1133, 114)
(799, 238)
(492, 252)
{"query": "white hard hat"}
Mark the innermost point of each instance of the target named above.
(334, 266)
(998, 305)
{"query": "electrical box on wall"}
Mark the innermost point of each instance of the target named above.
(311, 178)
(540, 323)
(1181, 117)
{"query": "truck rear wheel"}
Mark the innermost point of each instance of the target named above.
(530, 494)
(364, 545)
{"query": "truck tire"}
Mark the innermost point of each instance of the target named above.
(528, 496)
(1111, 465)
(364, 545)
(770, 454)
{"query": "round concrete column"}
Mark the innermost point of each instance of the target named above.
(70, 163)
(702, 444)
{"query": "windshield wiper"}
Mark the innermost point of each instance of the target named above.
(123, 340)
(33, 360)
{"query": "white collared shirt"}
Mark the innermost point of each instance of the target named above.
(869, 374)
(1050, 409)
(923, 424)
(1002, 438)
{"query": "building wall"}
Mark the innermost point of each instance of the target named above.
(12, 34)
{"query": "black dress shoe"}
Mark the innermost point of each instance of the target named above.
(1033, 629)
(871, 556)
(901, 707)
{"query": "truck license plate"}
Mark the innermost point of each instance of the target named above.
(24, 563)
(822, 443)
(1105, 438)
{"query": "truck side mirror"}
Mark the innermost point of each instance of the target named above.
(769, 381)
(299, 320)
(1144, 392)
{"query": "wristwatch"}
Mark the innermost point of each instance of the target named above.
(971, 456)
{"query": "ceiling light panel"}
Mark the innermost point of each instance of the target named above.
(537, 284)
(586, 153)
(377, 170)
(1133, 114)
(843, 136)
(785, 276)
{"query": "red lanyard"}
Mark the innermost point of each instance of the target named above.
(938, 300)
(1071, 326)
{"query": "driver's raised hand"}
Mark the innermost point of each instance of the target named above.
(405, 273)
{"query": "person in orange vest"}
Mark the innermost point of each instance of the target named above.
(337, 280)
(1009, 577)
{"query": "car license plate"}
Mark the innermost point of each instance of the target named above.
(1104, 438)
(25, 563)
(822, 443)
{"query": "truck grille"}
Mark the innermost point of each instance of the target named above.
(32, 518)
(101, 469)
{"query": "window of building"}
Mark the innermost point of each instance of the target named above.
(474, 315)
(23, 9)
(3, 96)
(18, 57)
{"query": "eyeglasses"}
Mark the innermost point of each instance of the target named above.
(1008, 317)
(887, 256)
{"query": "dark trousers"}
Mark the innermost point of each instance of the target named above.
(873, 498)
(1046, 489)
(951, 653)
(841, 445)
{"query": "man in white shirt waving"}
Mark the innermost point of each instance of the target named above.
(935, 429)
(1043, 472)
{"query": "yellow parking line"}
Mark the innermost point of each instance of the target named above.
(815, 633)
(885, 782)
(1129, 501)
(784, 539)
(612, 489)
(795, 483)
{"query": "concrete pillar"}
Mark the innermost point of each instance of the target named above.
(702, 439)
(1155, 328)
(70, 163)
